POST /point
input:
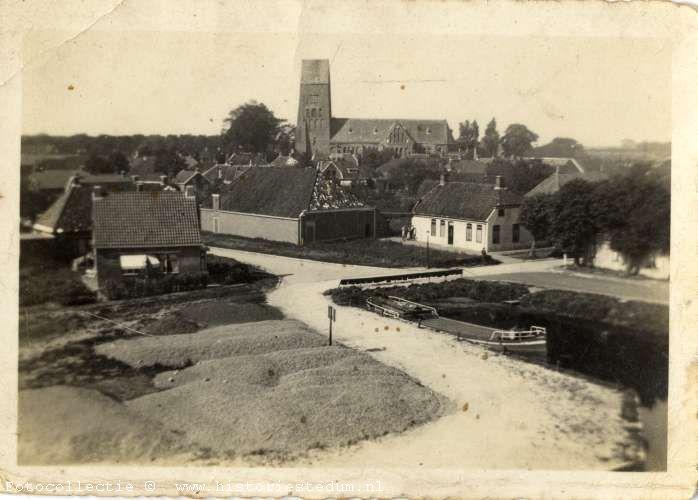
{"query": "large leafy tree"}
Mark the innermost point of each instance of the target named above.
(635, 214)
(251, 127)
(168, 161)
(517, 140)
(536, 216)
(97, 164)
(574, 222)
(490, 141)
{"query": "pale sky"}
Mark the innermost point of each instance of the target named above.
(596, 90)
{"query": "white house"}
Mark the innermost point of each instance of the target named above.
(471, 217)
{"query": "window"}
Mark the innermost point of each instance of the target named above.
(433, 227)
(495, 235)
(133, 264)
(478, 233)
(468, 232)
(515, 233)
(442, 228)
(314, 99)
(313, 112)
(375, 130)
(500, 212)
(171, 263)
(428, 131)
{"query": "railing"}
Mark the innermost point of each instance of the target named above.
(384, 311)
(416, 304)
(535, 331)
(400, 277)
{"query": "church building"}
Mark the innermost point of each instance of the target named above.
(319, 134)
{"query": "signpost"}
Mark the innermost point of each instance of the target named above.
(332, 315)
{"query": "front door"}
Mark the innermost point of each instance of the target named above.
(450, 234)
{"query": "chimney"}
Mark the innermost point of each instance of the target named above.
(97, 193)
(163, 180)
(442, 180)
(189, 192)
(499, 183)
(220, 172)
(216, 201)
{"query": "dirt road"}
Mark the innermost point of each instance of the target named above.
(511, 414)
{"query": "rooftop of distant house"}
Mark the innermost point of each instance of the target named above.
(553, 183)
(146, 220)
(465, 200)
(283, 192)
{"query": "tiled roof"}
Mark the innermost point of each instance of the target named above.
(283, 192)
(464, 200)
(554, 182)
(468, 167)
(227, 173)
(359, 130)
(72, 211)
(146, 220)
(277, 191)
(184, 176)
(284, 161)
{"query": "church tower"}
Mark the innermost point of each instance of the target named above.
(314, 109)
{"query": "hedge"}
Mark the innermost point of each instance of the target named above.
(147, 284)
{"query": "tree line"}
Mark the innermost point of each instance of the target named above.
(631, 211)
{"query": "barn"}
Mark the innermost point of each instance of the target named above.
(294, 205)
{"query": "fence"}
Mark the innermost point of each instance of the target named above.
(400, 277)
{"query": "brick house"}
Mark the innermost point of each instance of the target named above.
(136, 229)
(295, 205)
(471, 217)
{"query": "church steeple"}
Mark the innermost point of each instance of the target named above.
(314, 108)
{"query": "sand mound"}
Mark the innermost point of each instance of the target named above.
(215, 313)
(219, 342)
(174, 323)
(62, 425)
(254, 370)
(290, 361)
(291, 417)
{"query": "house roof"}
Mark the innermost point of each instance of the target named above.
(464, 200)
(227, 173)
(284, 161)
(283, 192)
(72, 211)
(348, 167)
(146, 220)
(554, 182)
(184, 176)
(360, 130)
(468, 167)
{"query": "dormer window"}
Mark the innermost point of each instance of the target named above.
(350, 130)
(375, 130)
(428, 131)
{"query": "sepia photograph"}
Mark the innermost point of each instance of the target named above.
(275, 237)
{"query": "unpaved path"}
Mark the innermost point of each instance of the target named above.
(511, 414)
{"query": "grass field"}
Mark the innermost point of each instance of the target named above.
(363, 252)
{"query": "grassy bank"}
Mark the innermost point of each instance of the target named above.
(364, 252)
(617, 341)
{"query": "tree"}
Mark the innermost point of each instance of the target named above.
(561, 147)
(490, 141)
(574, 222)
(469, 136)
(118, 162)
(168, 162)
(635, 214)
(251, 127)
(98, 165)
(517, 140)
(536, 217)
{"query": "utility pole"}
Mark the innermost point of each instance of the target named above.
(428, 233)
(332, 315)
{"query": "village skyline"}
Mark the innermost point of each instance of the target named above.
(572, 94)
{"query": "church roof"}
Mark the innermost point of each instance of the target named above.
(366, 130)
